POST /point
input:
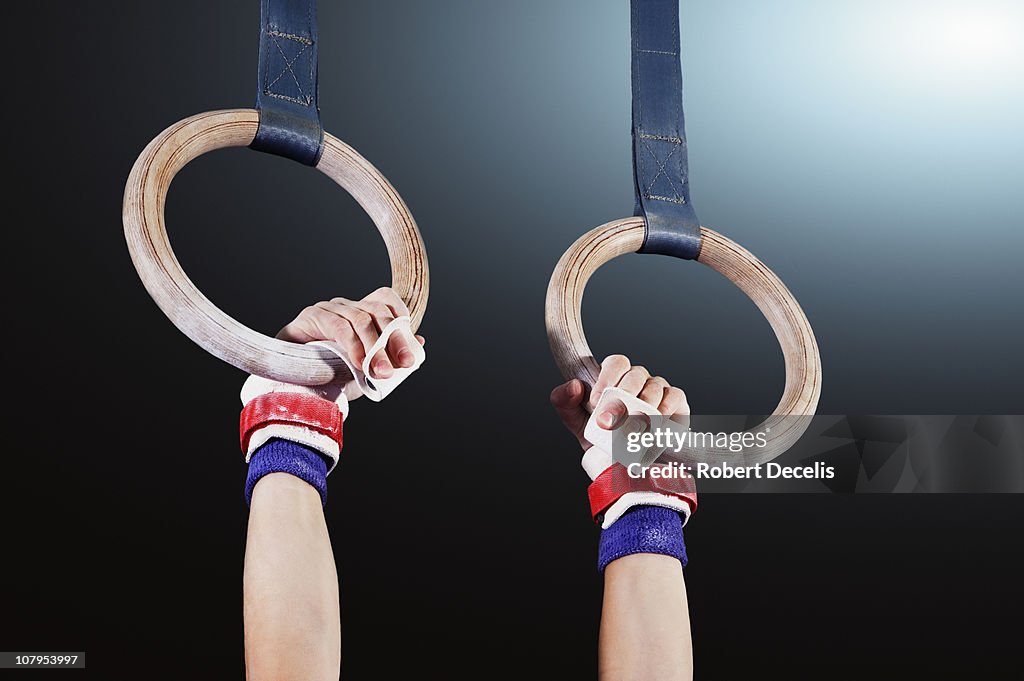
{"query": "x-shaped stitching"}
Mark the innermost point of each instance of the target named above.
(662, 169)
(288, 66)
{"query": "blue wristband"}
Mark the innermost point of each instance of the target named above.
(643, 529)
(283, 456)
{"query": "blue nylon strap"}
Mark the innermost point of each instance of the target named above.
(659, 136)
(287, 93)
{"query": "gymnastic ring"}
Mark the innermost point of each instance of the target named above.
(800, 350)
(198, 318)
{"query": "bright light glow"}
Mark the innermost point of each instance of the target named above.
(962, 39)
(975, 44)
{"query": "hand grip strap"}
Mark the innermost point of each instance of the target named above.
(603, 439)
(378, 388)
(288, 408)
(660, 172)
(616, 482)
(286, 97)
(613, 491)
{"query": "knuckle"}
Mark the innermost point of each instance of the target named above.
(362, 319)
(380, 310)
(383, 293)
(325, 306)
(615, 361)
(676, 395)
(652, 389)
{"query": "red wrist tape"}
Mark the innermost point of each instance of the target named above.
(616, 481)
(283, 408)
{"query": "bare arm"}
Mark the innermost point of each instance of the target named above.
(291, 613)
(290, 586)
(645, 622)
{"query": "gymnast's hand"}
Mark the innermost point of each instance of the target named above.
(616, 371)
(356, 325)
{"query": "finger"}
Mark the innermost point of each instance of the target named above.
(397, 352)
(612, 415)
(365, 327)
(400, 350)
(329, 326)
(567, 396)
(382, 314)
(387, 296)
(567, 400)
(654, 390)
(301, 329)
(674, 403)
(613, 368)
(634, 380)
(421, 339)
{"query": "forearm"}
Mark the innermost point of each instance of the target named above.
(645, 624)
(292, 438)
(291, 612)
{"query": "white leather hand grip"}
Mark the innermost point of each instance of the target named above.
(602, 439)
(255, 386)
(378, 388)
(599, 458)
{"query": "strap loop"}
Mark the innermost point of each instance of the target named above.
(288, 408)
(660, 172)
(615, 482)
(286, 96)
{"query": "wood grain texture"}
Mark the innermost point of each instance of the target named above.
(194, 314)
(799, 348)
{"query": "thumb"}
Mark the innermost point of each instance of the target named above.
(567, 399)
(568, 396)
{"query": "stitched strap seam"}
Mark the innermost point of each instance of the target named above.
(304, 99)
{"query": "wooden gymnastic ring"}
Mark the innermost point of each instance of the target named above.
(198, 318)
(800, 351)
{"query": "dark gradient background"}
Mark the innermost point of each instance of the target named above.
(858, 148)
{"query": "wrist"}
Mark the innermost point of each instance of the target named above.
(614, 491)
(301, 418)
(279, 486)
(304, 467)
(287, 431)
(643, 529)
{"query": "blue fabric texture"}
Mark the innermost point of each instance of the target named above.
(283, 456)
(643, 529)
(287, 94)
(660, 165)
